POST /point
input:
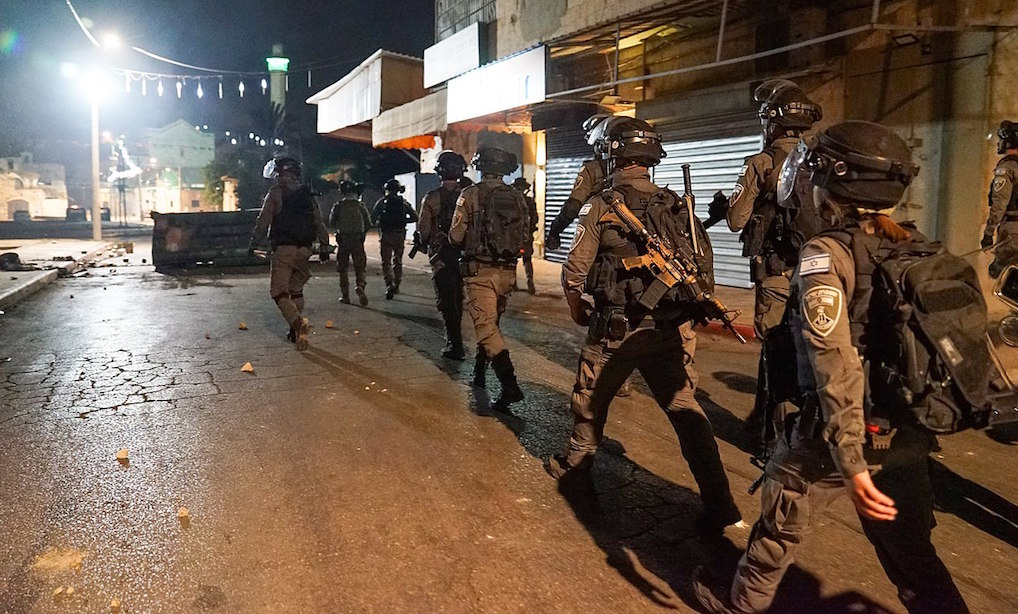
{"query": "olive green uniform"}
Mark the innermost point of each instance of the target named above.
(433, 229)
(589, 181)
(1003, 218)
(830, 443)
(661, 345)
(350, 220)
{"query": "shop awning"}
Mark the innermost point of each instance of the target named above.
(513, 82)
(383, 81)
(412, 125)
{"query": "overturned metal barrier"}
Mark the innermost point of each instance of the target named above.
(185, 240)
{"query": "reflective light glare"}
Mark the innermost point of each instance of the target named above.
(69, 70)
(265, 85)
(241, 88)
(200, 93)
(180, 89)
(227, 133)
(127, 82)
(144, 86)
(159, 89)
(262, 142)
(220, 90)
(233, 141)
(111, 40)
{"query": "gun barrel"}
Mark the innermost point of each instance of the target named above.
(687, 182)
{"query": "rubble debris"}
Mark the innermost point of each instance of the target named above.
(247, 368)
(58, 591)
(56, 560)
(184, 516)
(122, 455)
(328, 324)
(208, 336)
(356, 332)
(242, 326)
(115, 606)
(69, 591)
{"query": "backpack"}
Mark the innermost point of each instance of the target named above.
(504, 223)
(393, 214)
(919, 320)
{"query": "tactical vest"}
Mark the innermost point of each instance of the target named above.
(662, 213)
(393, 214)
(294, 223)
(1011, 213)
(918, 319)
(446, 208)
(346, 216)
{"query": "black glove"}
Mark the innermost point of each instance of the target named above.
(718, 208)
(987, 241)
(552, 241)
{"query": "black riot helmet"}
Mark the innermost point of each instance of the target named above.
(281, 166)
(450, 165)
(348, 187)
(393, 186)
(521, 184)
(785, 108)
(1008, 135)
(626, 138)
(494, 161)
(591, 122)
(859, 162)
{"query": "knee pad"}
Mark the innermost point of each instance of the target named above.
(276, 297)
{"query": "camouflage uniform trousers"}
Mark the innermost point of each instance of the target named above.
(391, 245)
(769, 308)
(487, 293)
(351, 247)
(288, 272)
(1007, 252)
(791, 504)
(664, 356)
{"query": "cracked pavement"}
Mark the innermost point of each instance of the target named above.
(366, 475)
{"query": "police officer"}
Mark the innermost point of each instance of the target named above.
(350, 220)
(589, 181)
(523, 186)
(292, 219)
(878, 454)
(622, 334)
(437, 209)
(491, 225)
(785, 113)
(1003, 199)
(391, 214)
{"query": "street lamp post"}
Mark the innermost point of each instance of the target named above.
(97, 228)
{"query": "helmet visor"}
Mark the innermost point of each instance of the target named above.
(790, 171)
(269, 170)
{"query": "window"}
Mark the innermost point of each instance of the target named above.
(195, 204)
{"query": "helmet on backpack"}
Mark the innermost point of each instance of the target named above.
(494, 161)
(862, 163)
(281, 166)
(450, 165)
(347, 187)
(1008, 135)
(629, 139)
(393, 186)
(785, 108)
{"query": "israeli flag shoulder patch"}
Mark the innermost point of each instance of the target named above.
(584, 210)
(821, 263)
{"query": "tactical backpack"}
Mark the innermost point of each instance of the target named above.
(918, 317)
(504, 223)
(294, 224)
(393, 214)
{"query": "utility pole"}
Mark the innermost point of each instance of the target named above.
(97, 224)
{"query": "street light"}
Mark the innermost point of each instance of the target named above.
(95, 86)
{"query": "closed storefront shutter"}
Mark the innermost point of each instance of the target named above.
(715, 163)
(566, 150)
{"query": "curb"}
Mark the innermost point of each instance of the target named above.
(27, 287)
(72, 266)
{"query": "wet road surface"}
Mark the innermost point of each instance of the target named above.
(366, 475)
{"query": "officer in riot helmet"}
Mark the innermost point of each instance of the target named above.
(624, 335)
(1003, 197)
(589, 181)
(772, 232)
(291, 218)
(350, 220)
(839, 322)
(523, 186)
(391, 214)
(491, 225)
(437, 209)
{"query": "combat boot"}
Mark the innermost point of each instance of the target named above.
(345, 299)
(710, 594)
(531, 288)
(480, 366)
(362, 297)
(395, 288)
(453, 340)
(510, 393)
(390, 292)
(291, 335)
(559, 466)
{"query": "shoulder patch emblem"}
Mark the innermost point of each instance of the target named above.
(742, 171)
(1000, 171)
(736, 192)
(821, 263)
(584, 210)
(579, 181)
(998, 183)
(580, 229)
(821, 308)
(457, 217)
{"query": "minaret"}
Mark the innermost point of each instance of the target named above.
(278, 66)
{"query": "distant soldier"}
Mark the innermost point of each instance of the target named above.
(523, 186)
(623, 334)
(1003, 218)
(589, 181)
(772, 232)
(292, 219)
(437, 209)
(350, 220)
(391, 214)
(491, 225)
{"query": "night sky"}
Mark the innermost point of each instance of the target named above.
(37, 36)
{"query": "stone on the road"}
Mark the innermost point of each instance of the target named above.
(242, 326)
(247, 368)
(122, 454)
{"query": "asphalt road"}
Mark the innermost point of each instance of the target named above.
(366, 475)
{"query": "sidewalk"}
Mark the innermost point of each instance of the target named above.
(51, 257)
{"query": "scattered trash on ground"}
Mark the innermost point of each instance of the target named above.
(242, 326)
(122, 455)
(247, 368)
(328, 324)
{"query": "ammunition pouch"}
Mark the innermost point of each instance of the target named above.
(608, 323)
(469, 268)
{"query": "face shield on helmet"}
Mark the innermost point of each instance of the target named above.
(770, 88)
(269, 170)
(592, 122)
(790, 170)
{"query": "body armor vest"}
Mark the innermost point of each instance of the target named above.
(294, 224)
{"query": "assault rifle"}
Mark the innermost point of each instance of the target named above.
(418, 246)
(669, 266)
